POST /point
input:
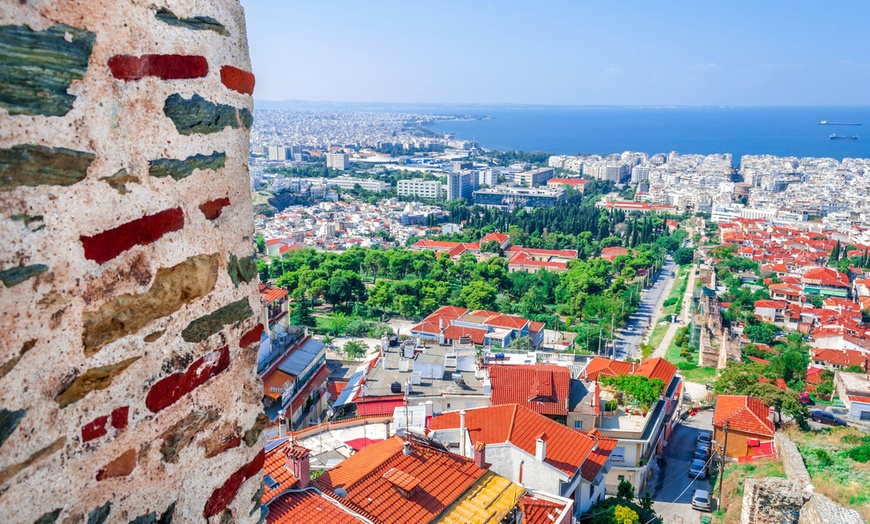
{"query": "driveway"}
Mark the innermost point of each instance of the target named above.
(674, 488)
(629, 338)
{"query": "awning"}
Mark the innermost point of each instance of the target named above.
(383, 407)
(273, 383)
(348, 390)
(359, 443)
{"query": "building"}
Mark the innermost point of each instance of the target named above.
(279, 153)
(296, 382)
(530, 260)
(540, 388)
(641, 434)
(577, 184)
(840, 359)
(487, 177)
(535, 177)
(429, 189)
(747, 421)
(337, 160)
(510, 198)
(479, 327)
(639, 174)
(460, 184)
(531, 449)
(349, 182)
(854, 390)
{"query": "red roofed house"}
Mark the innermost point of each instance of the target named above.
(854, 390)
(771, 310)
(610, 253)
(531, 260)
(748, 424)
(836, 359)
(543, 389)
(501, 239)
(825, 282)
(555, 459)
(576, 183)
(487, 328)
(641, 435)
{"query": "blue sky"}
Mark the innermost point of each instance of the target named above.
(758, 52)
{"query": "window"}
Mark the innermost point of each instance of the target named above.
(448, 405)
(578, 424)
(620, 477)
(618, 454)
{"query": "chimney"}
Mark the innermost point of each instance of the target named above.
(298, 462)
(541, 447)
(407, 448)
(521, 472)
(282, 429)
(430, 411)
(480, 454)
(462, 433)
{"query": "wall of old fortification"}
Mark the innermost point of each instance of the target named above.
(127, 292)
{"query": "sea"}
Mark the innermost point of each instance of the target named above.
(780, 131)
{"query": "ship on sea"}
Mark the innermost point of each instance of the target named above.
(826, 123)
(838, 137)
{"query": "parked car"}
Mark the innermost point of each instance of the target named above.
(698, 469)
(701, 500)
(823, 417)
(701, 455)
(705, 436)
(805, 398)
(703, 446)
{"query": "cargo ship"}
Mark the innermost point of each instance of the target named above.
(838, 137)
(826, 123)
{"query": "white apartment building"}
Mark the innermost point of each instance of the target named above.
(337, 160)
(278, 153)
(430, 189)
(348, 182)
(460, 185)
(535, 177)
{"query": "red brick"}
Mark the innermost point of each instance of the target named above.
(213, 208)
(120, 467)
(222, 496)
(237, 79)
(94, 429)
(120, 417)
(167, 67)
(251, 336)
(105, 246)
(168, 390)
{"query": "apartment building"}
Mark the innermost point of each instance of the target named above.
(429, 189)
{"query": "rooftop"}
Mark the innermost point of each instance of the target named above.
(743, 413)
(543, 389)
(380, 378)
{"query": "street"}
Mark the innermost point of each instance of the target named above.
(629, 338)
(674, 489)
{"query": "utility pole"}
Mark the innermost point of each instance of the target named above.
(722, 464)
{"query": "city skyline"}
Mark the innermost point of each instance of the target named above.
(743, 54)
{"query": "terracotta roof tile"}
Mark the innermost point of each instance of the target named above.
(305, 507)
(539, 511)
(598, 458)
(744, 413)
(275, 466)
(543, 389)
(269, 294)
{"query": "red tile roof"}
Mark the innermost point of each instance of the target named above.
(770, 304)
(305, 507)
(563, 253)
(435, 479)
(275, 466)
(841, 357)
(650, 368)
(496, 237)
(543, 389)
(596, 460)
(478, 336)
(540, 511)
(744, 413)
(826, 277)
(379, 405)
(270, 294)
(567, 448)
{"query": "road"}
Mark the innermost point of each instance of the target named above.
(674, 489)
(629, 338)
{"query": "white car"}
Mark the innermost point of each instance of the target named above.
(701, 500)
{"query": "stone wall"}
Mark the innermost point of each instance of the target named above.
(127, 382)
(822, 510)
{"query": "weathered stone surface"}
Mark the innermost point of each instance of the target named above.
(107, 245)
(8, 365)
(38, 67)
(212, 209)
(166, 67)
(48, 518)
(204, 327)
(9, 421)
(100, 514)
(95, 429)
(179, 169)
(199, 23)
(251, 336)
(173, 287)
(198, 115)
(229, 442)
(37, 221)
(222, 496)
(13, 276)
(120, 467)
(242, 269)
(238, 79)
(14, 469)
(168, 390)
(151, 518)
(152, 337)
(182, 433)
(92, 379)
(32, 166)
(253, 434)
(119, 181)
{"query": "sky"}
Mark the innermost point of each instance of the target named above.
(630, 52)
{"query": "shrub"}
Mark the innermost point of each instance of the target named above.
(610, 405)
(670, 302)
(686, 366)
(860, 453)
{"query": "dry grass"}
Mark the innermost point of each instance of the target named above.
(732, 488)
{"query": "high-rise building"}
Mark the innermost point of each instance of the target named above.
(337, 160)
(639, 174)
(278, 153)
(460, 185)
(535, 177)
(418, 187)
(487, 177)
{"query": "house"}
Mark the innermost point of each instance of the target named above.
(610, 253)
(771, 310)
(540, 388)
(487, 328)
(501, 239)
(398, 481)
(296, 382)
(578, 184)
(531, 260)
(747, 422)
(787, 292)
(531, 449)
(854, 390)
(825, 282)
(837, 359)
(641, 435)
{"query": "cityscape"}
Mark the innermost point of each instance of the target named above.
(433, 263)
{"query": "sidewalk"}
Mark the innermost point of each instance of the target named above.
(684, 318)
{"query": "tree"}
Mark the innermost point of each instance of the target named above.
(835, 254)
(644, 390)
(625, 490)
(522, 344)
(761, 333)
(684, 256)
(624, 515)
(301, 315)
(646, 502)
(826, 384)
(354, 349)
(534, 301)
(490, 246)
(781, 401)
(736, 378)
(854, 368)
(478, 295)
(260, 242)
